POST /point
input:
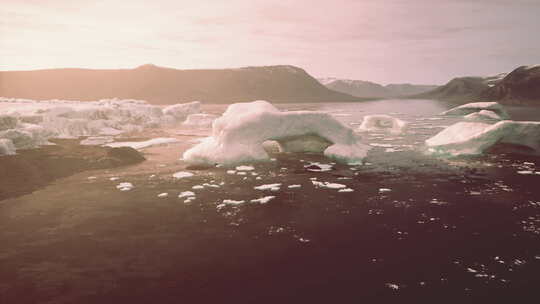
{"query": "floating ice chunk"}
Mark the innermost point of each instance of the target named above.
(384, 190)
(199, 121)
(483, 115)
(241, 173)
(183, 110)
(263, 200)
(392, 286)
(328, 185)
(182, 174)
(525, 172)
(318, 167)
(143, 144)
(381, 145)
(233, 202)
(382, 123)
(6, 147)
(271, 187)
(162, 195)
(474, 107)
(124, 186)
(239, 134)
(197, 187)
(92, 177)
(114, 178)
(346, 190)
(245, 168)
(294, 186)
(470, 138)
(231, 172)
(186, 194)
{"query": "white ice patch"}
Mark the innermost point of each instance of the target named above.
(245, 168)
(182, 174)
(144, 144)
(346, 190)
(238, 135)
(162, 195)
(263, 200)
(382, 123)
(124, 186)
(328, 185)
(271, 187)
(186, 194)
(318, 167)
(294, 186)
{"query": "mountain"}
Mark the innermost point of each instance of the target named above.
(520, 87)
(461, 89)
(161, 85)
(361, 88)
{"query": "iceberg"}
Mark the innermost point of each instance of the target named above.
(238, 135)
(29, 123)
(199, 120)
(475, 107)
(472, 138)
(382, 123)
(483, 115)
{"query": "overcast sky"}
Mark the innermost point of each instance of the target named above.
(386, 41)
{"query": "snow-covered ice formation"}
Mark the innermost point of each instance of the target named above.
(238, 135)
(483, 115)
(382, 123)
(470, 138)
(199, 120)
(475, 107)
(29, 123)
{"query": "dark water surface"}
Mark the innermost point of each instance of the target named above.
(415, 230)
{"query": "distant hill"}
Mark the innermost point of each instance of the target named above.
(361, 88)
(161, 85)
(461, 89)
(520, 87)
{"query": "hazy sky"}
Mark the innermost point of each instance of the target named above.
(418, 41)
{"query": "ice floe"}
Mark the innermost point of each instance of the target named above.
(125, 186)
(328, 185)
(382, 123)
(263, 200)
(470, 138)
(238, 135)
(477, 107)
(182, 174)
(271, 187)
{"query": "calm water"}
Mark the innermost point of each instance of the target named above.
(415, 229)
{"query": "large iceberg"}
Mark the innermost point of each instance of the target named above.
(29, 123)
(382, 123)
(238, 135)
(471, 138)
(494, 108)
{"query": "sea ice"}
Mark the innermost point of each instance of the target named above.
(328, 185)
(263, 200)
(182, 174)
(271, 187)
(382, 123)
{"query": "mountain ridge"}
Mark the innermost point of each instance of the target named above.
(163, 85)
